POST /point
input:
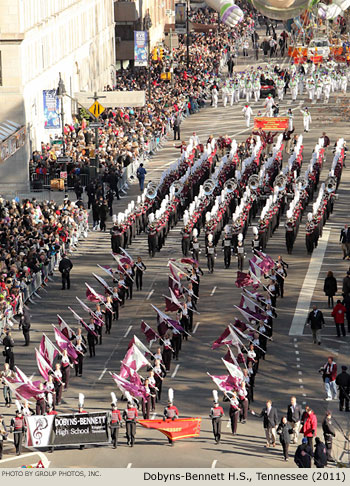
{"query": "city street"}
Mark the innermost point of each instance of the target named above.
(292, 361)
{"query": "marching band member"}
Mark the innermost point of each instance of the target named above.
(216, 413)
(171, 412)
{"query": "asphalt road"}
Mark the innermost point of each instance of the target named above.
(292, 361)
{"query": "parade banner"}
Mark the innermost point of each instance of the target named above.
(269, 123)
(180, 18)
(140, 48)
(175, 429)
(67, 429)
(51, 109)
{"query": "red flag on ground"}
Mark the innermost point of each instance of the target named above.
(177, 429)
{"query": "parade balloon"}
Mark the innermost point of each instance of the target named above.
(281, 9)
(230, 13)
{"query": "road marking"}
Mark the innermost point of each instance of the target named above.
(213, 291)
(300, 372)
(296, 352)
(298, 359)
(300, 380)
(213, 464)
(127, 332)
(44, 459)
(304, 395)
(129, 465)
(102, 374)
(296, 345)
(175, 371)
(298, 365)
(150, 294)
(195, 328)
(307, 290)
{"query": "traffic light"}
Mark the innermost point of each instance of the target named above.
(155, 54)
(161, 53)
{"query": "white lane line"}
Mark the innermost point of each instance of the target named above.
(300, 380)
(102, 374)
(307, 290)
(195, 328)
(127, 332)
(44, 459)
(153, 416)
(296, 352)
(298, 359)
(150, 294)
(300, 372)
(213, 291)
(228, 424)
(296, 345)
(298, 365)
(213, 464)
(129, 465)
(175, 371)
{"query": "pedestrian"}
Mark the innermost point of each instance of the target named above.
(316, 321)
(18, 428)
(309, 425)
(24, 323)
(216, 413)
(303, 454)
(65, 268)
(343, 382)
(330, 288)
(344, 239)
(320, 454)
(284, 431)
(130, 416)
(338, 314)
(7, 392)
(9, 344)
(3, 434)
(141, 174)
(328, 434)
(115, 421)
(103, 213)
(176, 126)
(294, 412)
(270, 421)
(329, 374)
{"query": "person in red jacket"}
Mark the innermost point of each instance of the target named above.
(338, 313)
(115, 421)
(309, 425)
(130, 416)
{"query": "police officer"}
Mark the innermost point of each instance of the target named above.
(216, 413)
(24, 323)
(64, 268)
(171, 412)
(17, 427)
(211, 253)
(9, 344)
(343, 382)
(115, 421)
(328, 434)
(130, 416)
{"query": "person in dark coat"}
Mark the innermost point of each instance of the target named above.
(343, 382)
(103, 212)
(303, 454)
(95, 215)
(320, 454)
(64, 268)
(24, 323)
(328, 434)
(316, 321)
(284, 431)
(330, 288)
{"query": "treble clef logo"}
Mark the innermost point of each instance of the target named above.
(41, 424)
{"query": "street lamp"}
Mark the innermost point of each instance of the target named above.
(60, 93)
(147, 24)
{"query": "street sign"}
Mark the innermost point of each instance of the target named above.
(56, 142)
(95, 125)
(96, 109)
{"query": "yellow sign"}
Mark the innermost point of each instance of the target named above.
(96, 109)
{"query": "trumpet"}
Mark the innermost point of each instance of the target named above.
(280, 182)
(208, 187)
(253, 182)
(330, 185)
(230, 185)
(151, 190)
